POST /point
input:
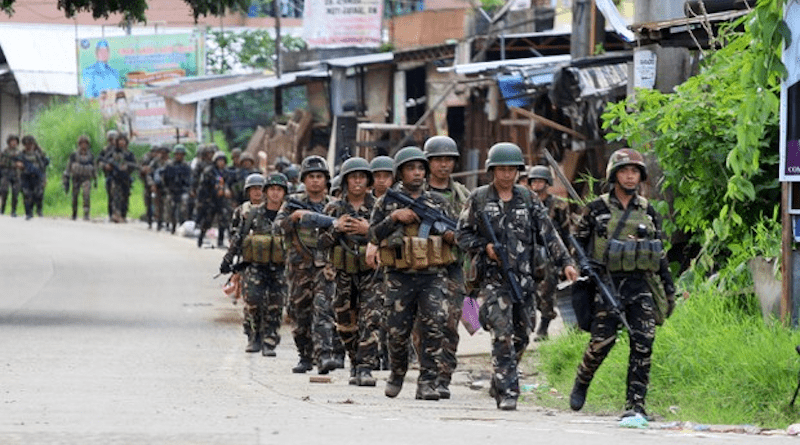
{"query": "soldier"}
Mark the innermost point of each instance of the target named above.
(610, 224)
(311, 284)
(292, 174)
(357, 304)
(154, 183)
(246, 167)
(522, 179)
(205, 153)
(9, 175)
(336, 187)
(442, 154)
(119, 164)
(32, 164)
(259, 244)
(213, 193)
(176, 178)
(111, 146)
(382, 168)
(145, 174)
(236, 155)
(81, 172)
(517, 219)
(416, 274)
(539, 179)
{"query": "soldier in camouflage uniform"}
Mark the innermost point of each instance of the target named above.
(311, 286)
(213, 193)
(111, 146)
(119, 164)
(416, 274)
(610, 224)
(145, 174)
(442, 154)
(357, 305)
(259, 244)
(80, 172)
(205, 154)
(9, 174)
(245, 168)
(154, 184)
(539, 179)
(32, 163)
(517, 219)
(176, 180)
(292, 174)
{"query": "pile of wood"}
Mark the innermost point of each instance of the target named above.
(287, 140)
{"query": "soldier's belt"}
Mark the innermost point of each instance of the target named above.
(263, 249)
(416, 253)
(634, 254)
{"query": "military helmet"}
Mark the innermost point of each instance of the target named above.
(314, 163)
(408, 154)
(277, 179)
(623, 157)
(356, 164)
(111, 134)
(236, 152)
(291, 172)
(246, 156)
(505, 153)
(83, 138)
(220, 155)
(441, 146)
(382, 164)
(282, 162)
(163, 147)
(254, 180)
(336, 184)
(540, 172)
(179, 148)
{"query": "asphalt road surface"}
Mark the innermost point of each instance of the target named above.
(116, 334)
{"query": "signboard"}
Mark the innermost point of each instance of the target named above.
(644, 68)
(340, 23)
(134, 61)
(141, 115)
(790, 99)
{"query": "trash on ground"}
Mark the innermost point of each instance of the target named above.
(637, 421)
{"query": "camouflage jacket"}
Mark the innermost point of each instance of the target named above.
(302, 242)
(262, 223)
(153, 178)
(594, 222)
(341, 207)
(558, 210)
(176, 177)
(518, 225)
(214, 183)
(456, 194)
(7, 160)
(80, 167)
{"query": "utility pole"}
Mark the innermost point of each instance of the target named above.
(277, 92)
(588, 28)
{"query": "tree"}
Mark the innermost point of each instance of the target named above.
(134, 10)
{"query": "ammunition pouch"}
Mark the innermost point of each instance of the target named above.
(660, 303)
(263, 249)
(78, 170)
(416, 253)
(345, 260)
(308, 236)
(634, 254)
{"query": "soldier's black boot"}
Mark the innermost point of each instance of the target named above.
(268, 350)
(353, 380)
(3, 205)
(200, 239)
(253, 342)
(443, 388)
(393, 385)
(303, 366)
(507, 403)
(426, 391)
(326, 364)
(221, 238)
(578, 395)
(364, 377)
(74, 213)
(541, 333)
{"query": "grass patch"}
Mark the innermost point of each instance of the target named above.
(59, 204)
(714, 362)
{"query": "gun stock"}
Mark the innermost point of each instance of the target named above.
(430, 218)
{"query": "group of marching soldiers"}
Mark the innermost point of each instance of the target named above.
(22, 171)
(382, 268)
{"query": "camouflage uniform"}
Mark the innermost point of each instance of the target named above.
(123, 164)
(262, 289)
(546, 271)
(105, 153)
(636, 298)
(177, 180)
(357, 305)
(311, 288)
(212, 202)
(412, 295)
(9, 179)
(145, 174)
(517, 224)
(158, 197)
(32, 179)
(81, 172)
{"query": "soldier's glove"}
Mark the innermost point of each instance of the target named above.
(225, 267)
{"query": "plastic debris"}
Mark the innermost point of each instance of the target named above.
(793, 429)
(637, 421)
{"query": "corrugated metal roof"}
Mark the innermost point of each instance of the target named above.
(482, 67)
(368, 59)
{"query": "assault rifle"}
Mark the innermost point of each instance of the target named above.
(29, 170)
(314, 219)
(508, 273)
(235, 268)
(430, 218)
(584, 263)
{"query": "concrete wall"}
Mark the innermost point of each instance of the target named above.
(378, 90)
(10, 110)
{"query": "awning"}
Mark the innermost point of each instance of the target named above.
(482, 67)
(611, 13)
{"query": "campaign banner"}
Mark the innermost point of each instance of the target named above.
(338, 23)
(790, 99)
(134, 61)
(142, 116)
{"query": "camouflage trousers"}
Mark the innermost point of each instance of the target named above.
(637, 303)
(155, 204)
(509, 324)
(9, 182)
(546, 295)
(177, 208)
(119, 198)
(207, 210)
(310, 306)
(411, 297)
(81, 186)
(262, 292)
(32, 195)
(357, 307)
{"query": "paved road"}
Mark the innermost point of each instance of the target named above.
(116, 334)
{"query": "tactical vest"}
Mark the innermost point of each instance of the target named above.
(261, 246)
(81, 167)
(636, 246)
(405, 250)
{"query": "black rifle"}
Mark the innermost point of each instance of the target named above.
(499, 249)
(430, 217)
(29, 170)
(316, 218)
(588, 270)
(235, 268)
